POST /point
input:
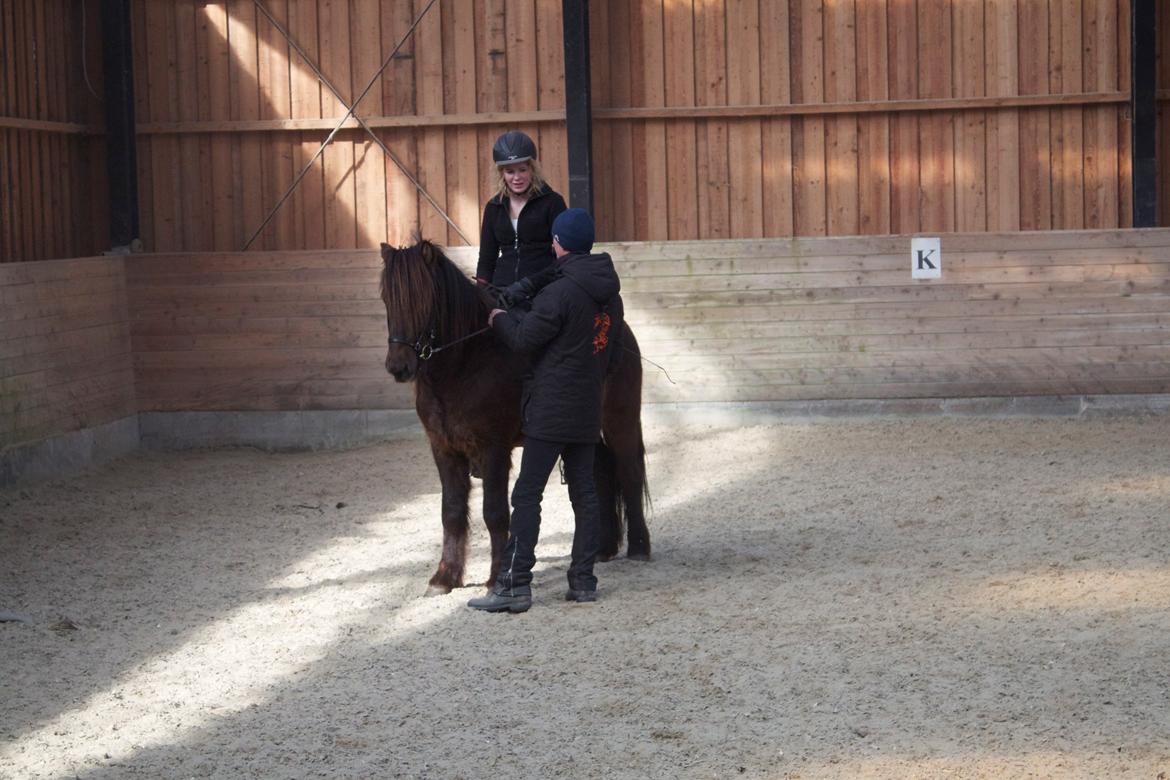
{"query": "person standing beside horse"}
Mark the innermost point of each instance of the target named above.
(566, 334)
(515, 239)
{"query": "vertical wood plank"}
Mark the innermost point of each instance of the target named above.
(205, 94)
(841, 139)
(398, 99)
(429, 88)
(1124, 130)
(653, 149)
(905, 209)
(1035, 142)
(970, 126)
(936, 130)
(463, 151)
(493, 84)
(711, 147)
(274, 77)
(775, 88)
(808, 148)
(308, 200)
(679, 70)
(550, 57)
(873, 131)
(745, 144)
(340, 187)
(1100, 74)
(369, 160)
(193, 227)
(218, 106)
(42, 204)
(599, 66)
(142, 110)
(1067, 131)
(1003, 126)
(160, 72)
(620, 157)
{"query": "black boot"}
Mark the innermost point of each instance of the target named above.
(501, 599)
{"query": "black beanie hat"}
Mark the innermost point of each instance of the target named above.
(573, 230)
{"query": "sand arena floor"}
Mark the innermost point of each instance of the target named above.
(863, 598)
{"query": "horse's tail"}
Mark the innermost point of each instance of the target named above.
(625, 495)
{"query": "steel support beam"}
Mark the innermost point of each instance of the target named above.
(1144, 112)
(578, 103)
(121, 150)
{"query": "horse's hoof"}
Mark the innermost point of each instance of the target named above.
(437, 590)
(606, 557)
(639, 556)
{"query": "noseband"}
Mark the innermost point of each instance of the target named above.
(424, 349)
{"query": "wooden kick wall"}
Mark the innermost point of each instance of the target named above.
(52, 162)
(65, 359)
(1078, 312)
(229, 114)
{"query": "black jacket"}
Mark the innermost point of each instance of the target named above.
(569, 333)
(506, 255)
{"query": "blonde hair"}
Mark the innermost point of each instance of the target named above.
(536, 185)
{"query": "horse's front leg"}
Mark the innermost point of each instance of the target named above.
(497, 464)
(454, 474)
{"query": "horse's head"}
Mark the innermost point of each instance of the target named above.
(429, 303)
(408, 290)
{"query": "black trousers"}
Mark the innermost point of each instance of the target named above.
(535, 467)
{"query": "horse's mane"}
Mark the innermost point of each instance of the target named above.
(422, 289)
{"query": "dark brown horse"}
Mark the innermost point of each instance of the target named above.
(467, 394)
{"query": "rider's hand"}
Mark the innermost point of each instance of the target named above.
(517, 292)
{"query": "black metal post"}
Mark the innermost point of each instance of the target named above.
(121, 150)
(578, 103)
(1144, 112)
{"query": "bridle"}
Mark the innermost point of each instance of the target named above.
(424, 346)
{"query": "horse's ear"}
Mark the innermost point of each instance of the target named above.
(387, 251)
(428, 250)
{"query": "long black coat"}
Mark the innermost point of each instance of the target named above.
(569, 334)
(506, 255)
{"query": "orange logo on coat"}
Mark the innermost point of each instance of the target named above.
(600, 331)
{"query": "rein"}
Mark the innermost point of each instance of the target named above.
(426, 350)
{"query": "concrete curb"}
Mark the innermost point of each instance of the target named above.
(327, 430)
(274, 431)
(69, 453)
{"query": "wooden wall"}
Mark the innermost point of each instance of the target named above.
(260, 331)
(749, 118)
(1081, 312)
(1077, 312)
(65, 358)
(715, 119)
(51, 160)
(228, 115)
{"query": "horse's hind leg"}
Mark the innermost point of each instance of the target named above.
(497, 463)
(454, 474)
(630, 455)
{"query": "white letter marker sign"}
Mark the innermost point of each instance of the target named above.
(925, 258)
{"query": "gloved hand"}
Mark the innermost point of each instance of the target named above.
(516, 293)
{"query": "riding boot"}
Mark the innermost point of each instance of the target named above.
(500, 599)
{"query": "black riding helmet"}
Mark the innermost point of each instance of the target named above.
(513, 147)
